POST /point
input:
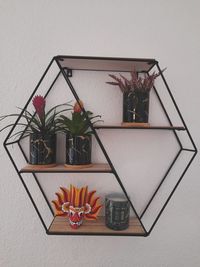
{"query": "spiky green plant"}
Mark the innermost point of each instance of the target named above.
(78, 124)
(39, 121)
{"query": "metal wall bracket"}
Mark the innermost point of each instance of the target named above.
(68, 72)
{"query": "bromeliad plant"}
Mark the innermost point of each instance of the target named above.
(78, 134)
(78, 124)
(135, 95)
(39, 121)
(41, 126)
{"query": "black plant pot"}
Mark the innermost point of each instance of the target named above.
(128, 107)
(42, 149)
(136, 106)
(78, 149)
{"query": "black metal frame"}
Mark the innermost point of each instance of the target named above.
(67, 73)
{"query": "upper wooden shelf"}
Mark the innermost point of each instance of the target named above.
(60, 226)
(151, 127)
(106, 63)
(61, 168)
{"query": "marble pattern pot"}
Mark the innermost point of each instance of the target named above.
(78, 149)
(42, 149)
(136, 106)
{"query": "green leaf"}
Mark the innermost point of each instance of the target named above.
(60, 105)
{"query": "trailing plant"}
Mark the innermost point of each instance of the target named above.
(78, 124)
(136, 83)
(40, 120)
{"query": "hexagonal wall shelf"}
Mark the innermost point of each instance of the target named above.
(66, 67)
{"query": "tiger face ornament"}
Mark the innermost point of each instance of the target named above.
(77, 204)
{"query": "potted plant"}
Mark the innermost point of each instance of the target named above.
(135, 96)
(78, 135)
(41, 127)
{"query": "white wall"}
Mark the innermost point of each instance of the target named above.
(32, 32)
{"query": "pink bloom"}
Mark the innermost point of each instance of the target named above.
(39, 105)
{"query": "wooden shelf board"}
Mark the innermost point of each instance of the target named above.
(145, 127)
(135, 124)
(96, 167)
(105, 63)
(60, 225)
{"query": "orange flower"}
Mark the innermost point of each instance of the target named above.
(77, 106)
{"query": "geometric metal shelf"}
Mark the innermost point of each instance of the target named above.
(66, 65)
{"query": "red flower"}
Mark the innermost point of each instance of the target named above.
(39, 105)
(78, 106)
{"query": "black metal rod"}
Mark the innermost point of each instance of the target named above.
(190, 150)
(166, 114)
(27, 103)
(151, 67)
(172, 128)
(161, 182)
(61, 57)
(95, 234)
(37, 181)
(34, 175)
(100, 143)
(171, 194)
(26, 188)
(176, 106)
(12, 143)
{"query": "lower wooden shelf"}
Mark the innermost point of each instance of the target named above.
(60, 226)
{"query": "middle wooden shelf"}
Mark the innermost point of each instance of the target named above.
(61, 168)
(140, 126)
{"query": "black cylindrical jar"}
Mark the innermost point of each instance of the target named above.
(78, 149)
(42, 149)
(136, 106)
(128, 107)
(141, 106)
(117, 211)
